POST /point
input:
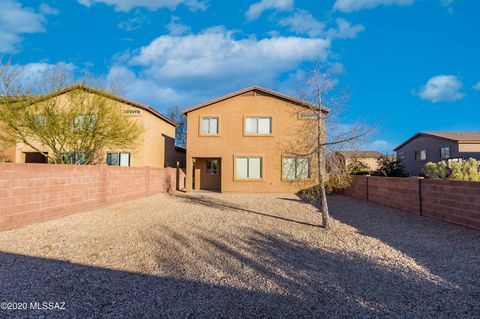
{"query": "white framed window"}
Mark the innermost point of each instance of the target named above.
(258, 125)
(296, 168)
(421, 155)
(248, 167)
(118, 159)
(85, 121)
(209, 125)
(212, 167)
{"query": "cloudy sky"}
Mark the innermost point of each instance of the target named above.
(409, 65)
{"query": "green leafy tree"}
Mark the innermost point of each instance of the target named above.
(68, 127)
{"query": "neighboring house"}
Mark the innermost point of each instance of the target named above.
(233, 143)
(368, 158)
(434, 147)
(156, 148)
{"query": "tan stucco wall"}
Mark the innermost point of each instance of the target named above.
(232, 142)
(151, 149)
(469, 147)
(371, 163)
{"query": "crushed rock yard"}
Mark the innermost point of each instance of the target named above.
(242, 256)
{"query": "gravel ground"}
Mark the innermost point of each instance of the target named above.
(265, 256)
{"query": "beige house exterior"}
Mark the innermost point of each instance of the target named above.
(234, 143)
(367, 158)
(155, 149)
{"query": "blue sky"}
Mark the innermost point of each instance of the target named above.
(409, 65)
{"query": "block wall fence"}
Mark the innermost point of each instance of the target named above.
(31, 193)
(456, 202)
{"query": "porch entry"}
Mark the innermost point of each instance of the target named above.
(207, 174)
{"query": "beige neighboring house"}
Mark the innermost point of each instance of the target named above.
(155, 149)
(367, 158)
(233, 143)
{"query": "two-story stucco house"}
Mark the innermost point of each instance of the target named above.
(233, 143)
(155, 149)
(426, 147)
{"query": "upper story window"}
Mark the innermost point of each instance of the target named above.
(40, 121)
(421, 155)
(209, 125)
(84, 121)
(256, 125)
(445, 152)
(296, 168)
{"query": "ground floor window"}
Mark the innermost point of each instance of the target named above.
(76, 158)
(248, 167)
(118, 159)
(212, 166)
(296, 168)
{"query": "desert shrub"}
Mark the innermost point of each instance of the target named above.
(358, 168)
(438, 170)
(468, 170)
(389, 166)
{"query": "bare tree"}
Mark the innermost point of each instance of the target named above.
(175, 114)
(67, 126)
(321, 134)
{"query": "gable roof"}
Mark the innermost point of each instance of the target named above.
(459, 137)
(248, 89)
(360, 154)
(109, 96)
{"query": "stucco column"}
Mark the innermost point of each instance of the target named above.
(189, 174)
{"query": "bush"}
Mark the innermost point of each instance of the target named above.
(468, 170)
(389, 166)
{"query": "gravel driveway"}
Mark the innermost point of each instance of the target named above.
(243, 256)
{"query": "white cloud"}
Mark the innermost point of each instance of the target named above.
(47, 10)
(127, 5)
(442, 88)
(256, 9)
(210, 62)
(381, 146)
(37, 75)
(16, 20)
(345, 30)
(175, 27)
(133, 23)
(477, 86)
(355, 5)
(303, 22)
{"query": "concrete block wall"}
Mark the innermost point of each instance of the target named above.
(31, 193)
(457, 202)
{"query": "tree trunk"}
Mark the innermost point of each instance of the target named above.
(322, 200)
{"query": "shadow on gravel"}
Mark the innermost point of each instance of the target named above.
(209, 202)
(315, 283)
(449, 251)
(92, 292)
